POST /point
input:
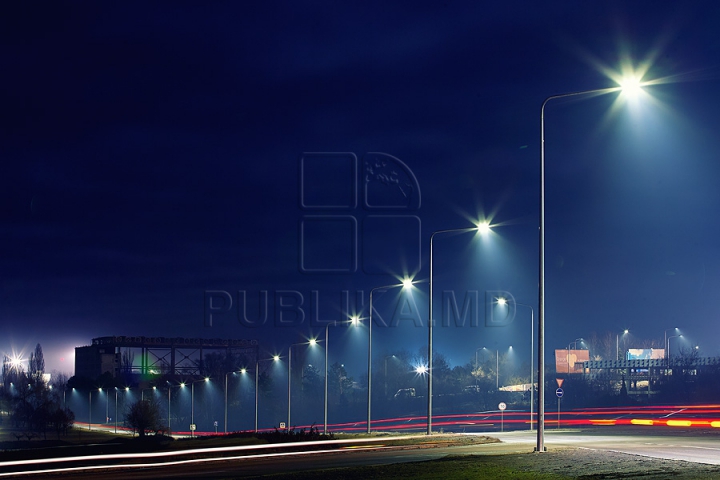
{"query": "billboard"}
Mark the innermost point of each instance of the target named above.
(645, 353)
(570, 361)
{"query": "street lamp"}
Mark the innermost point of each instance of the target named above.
(355, 321)
(116, 409)
(182, 385)
(668, 345)
(503, 301)
(385, 371)
(574, 344)
(617, 343)
(275, 358)
(406, 284)
(477, 365)
(481, 228)
(242, 370)
(312, 342)
(142, 392)
(665, 344)
(192, 404)
(628, 85)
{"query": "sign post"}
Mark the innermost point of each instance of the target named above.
(559, 392)
(502, 408)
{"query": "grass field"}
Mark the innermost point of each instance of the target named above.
(450, 468)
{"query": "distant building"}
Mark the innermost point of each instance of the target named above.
(147, 356)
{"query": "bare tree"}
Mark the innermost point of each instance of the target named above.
(144, 417)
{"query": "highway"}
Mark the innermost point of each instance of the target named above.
(671, 444)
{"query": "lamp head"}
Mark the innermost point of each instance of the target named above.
(276, 358)
(631, 86)
(483, 228)
(502, 301)
(407, 283)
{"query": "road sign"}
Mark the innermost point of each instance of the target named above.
(502, 406)
(559, 392)
(559, 382)
(192, 427)
(282, 425)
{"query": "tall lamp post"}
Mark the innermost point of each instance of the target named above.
(353, 321)
(385, 371)
(242, 370)
(665, 345)
(312, 342)
(116, 409)
(407, 283)
(482, 228)
(477, 365)
(668, 346)
(275, 358)
(192, 404)
(617, 343)
(630, 84)
(532, 361)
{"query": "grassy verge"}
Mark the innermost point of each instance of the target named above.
(449, 468)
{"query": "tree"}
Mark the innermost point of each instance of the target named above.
(62, 421)
(339, 384)
(36, 364)
(144, 417)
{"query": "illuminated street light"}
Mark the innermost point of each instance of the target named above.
(192, 403)
(142, 392)
(668, 345)
(311, 342)
(181, 385)
(628, 87)
(421, 369)
(242, 370)
(385, 371)
(481, 228)
(406, 284)
(275, 358)
(665, 345)
(355, 321)
(532, 361)
(617, 343)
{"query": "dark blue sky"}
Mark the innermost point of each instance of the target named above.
(154, 152)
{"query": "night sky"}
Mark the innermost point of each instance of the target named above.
(155, 152)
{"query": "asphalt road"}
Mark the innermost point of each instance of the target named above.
(688, 445)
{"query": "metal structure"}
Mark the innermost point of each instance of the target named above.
(157, 355)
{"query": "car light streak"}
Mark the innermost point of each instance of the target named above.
(194, 451)
(170, 463)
